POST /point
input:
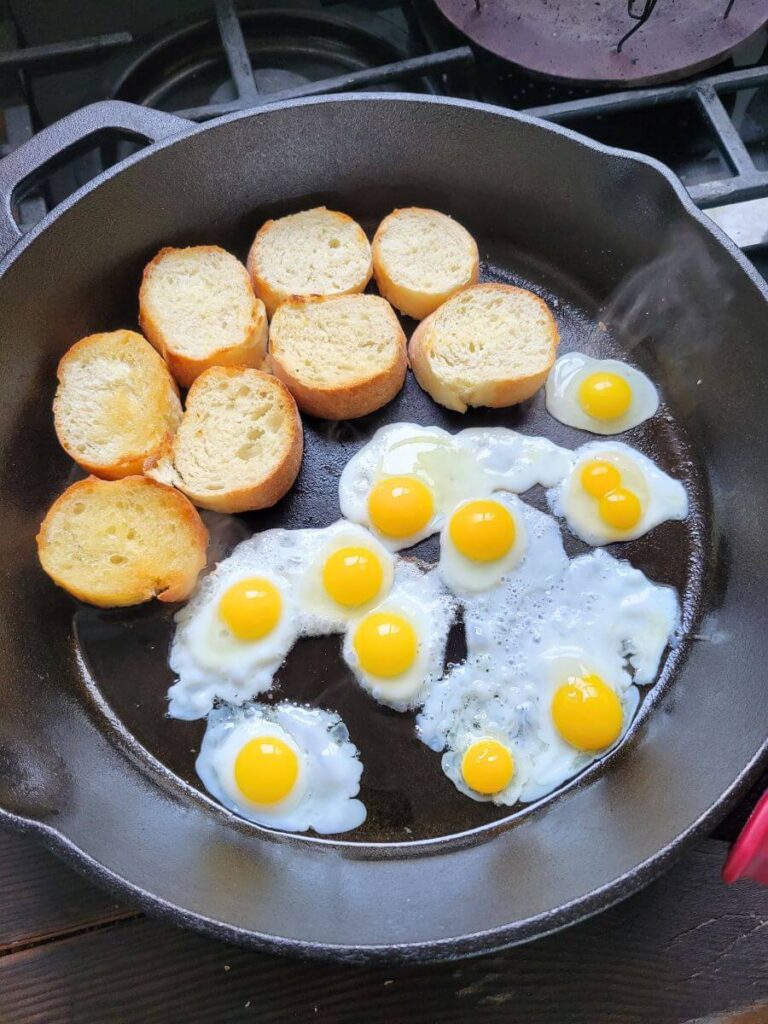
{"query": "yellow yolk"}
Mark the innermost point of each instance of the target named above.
(598, 477)
(605, 396)
(385, 644)
(482, 530)
(266, 770)
(353, 576)
(620, 508)
(487, 767)
(400, 506)
(587, 713)
(251, 608)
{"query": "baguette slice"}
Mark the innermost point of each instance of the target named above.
(240, 442)
(116, 404)
(421, 258)
(341, 356)
(197, 307)
(123, 542)
(490, 345)
(316, 252)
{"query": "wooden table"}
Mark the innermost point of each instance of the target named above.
(688, 948)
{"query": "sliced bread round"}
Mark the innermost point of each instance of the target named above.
(421, 258)
(315, 252)
(341, 356)
(490, 345)
(116, 404)
(123, 542)
(197, 307)
(240, 442)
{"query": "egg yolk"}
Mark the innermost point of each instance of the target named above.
(400, 506)
(620, 508)
(251, 608)
(587, 713)
(605, 396)
(598, 477)
(353, 576)
(482, 530)
(385, 644)
(266, 770)
(487, 767)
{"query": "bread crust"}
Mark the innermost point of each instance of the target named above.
(413, 302)
(344, 401)
(175, 585)
(271, 294)
(266, 492)
(493, 394)
(251, 351)
(129, 464)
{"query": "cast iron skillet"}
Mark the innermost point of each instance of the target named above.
(88, 760)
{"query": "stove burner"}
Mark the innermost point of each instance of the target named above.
(187, 69)
(579, 40)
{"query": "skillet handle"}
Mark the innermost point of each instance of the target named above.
(749, 854)
(53, 141)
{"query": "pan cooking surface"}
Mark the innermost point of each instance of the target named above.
(403, 787)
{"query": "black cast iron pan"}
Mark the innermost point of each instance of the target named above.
(87, 759)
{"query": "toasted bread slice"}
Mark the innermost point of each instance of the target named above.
(490, 345)
(421, 258)
(240, 442)
(315, 252)
(197, 307)
(116, 404)
(341, 356)
(123, 542)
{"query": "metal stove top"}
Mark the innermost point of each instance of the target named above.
(203, 59)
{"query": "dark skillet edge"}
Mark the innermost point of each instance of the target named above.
(454, 947)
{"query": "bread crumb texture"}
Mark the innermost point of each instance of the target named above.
(116, 403)
(489, 345)
(421, 258)
(123, 542)
(315, 252)
(198, 308)
(239, 444)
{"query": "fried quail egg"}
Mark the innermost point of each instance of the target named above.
(614, 493)
(481, 717)
(482, 540)
(398, 648)
(604, 396)
(287, 767)
(586, 706)
(230, 640)
(407, 478)
(348, 572)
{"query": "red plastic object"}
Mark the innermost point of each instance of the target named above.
(749, 854)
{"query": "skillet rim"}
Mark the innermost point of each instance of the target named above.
(452, 947)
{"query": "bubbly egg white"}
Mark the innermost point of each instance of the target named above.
(323, 798)
(562, 393)
(661, 497)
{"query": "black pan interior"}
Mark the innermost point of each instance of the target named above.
(86, 755)
(406, 794)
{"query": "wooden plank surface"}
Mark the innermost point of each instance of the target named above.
(43, 898)
(688, 948)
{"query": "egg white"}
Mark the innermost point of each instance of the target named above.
(210, 662)
(661, 497)
(329, 774)
(562, 393)
(420, 598)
